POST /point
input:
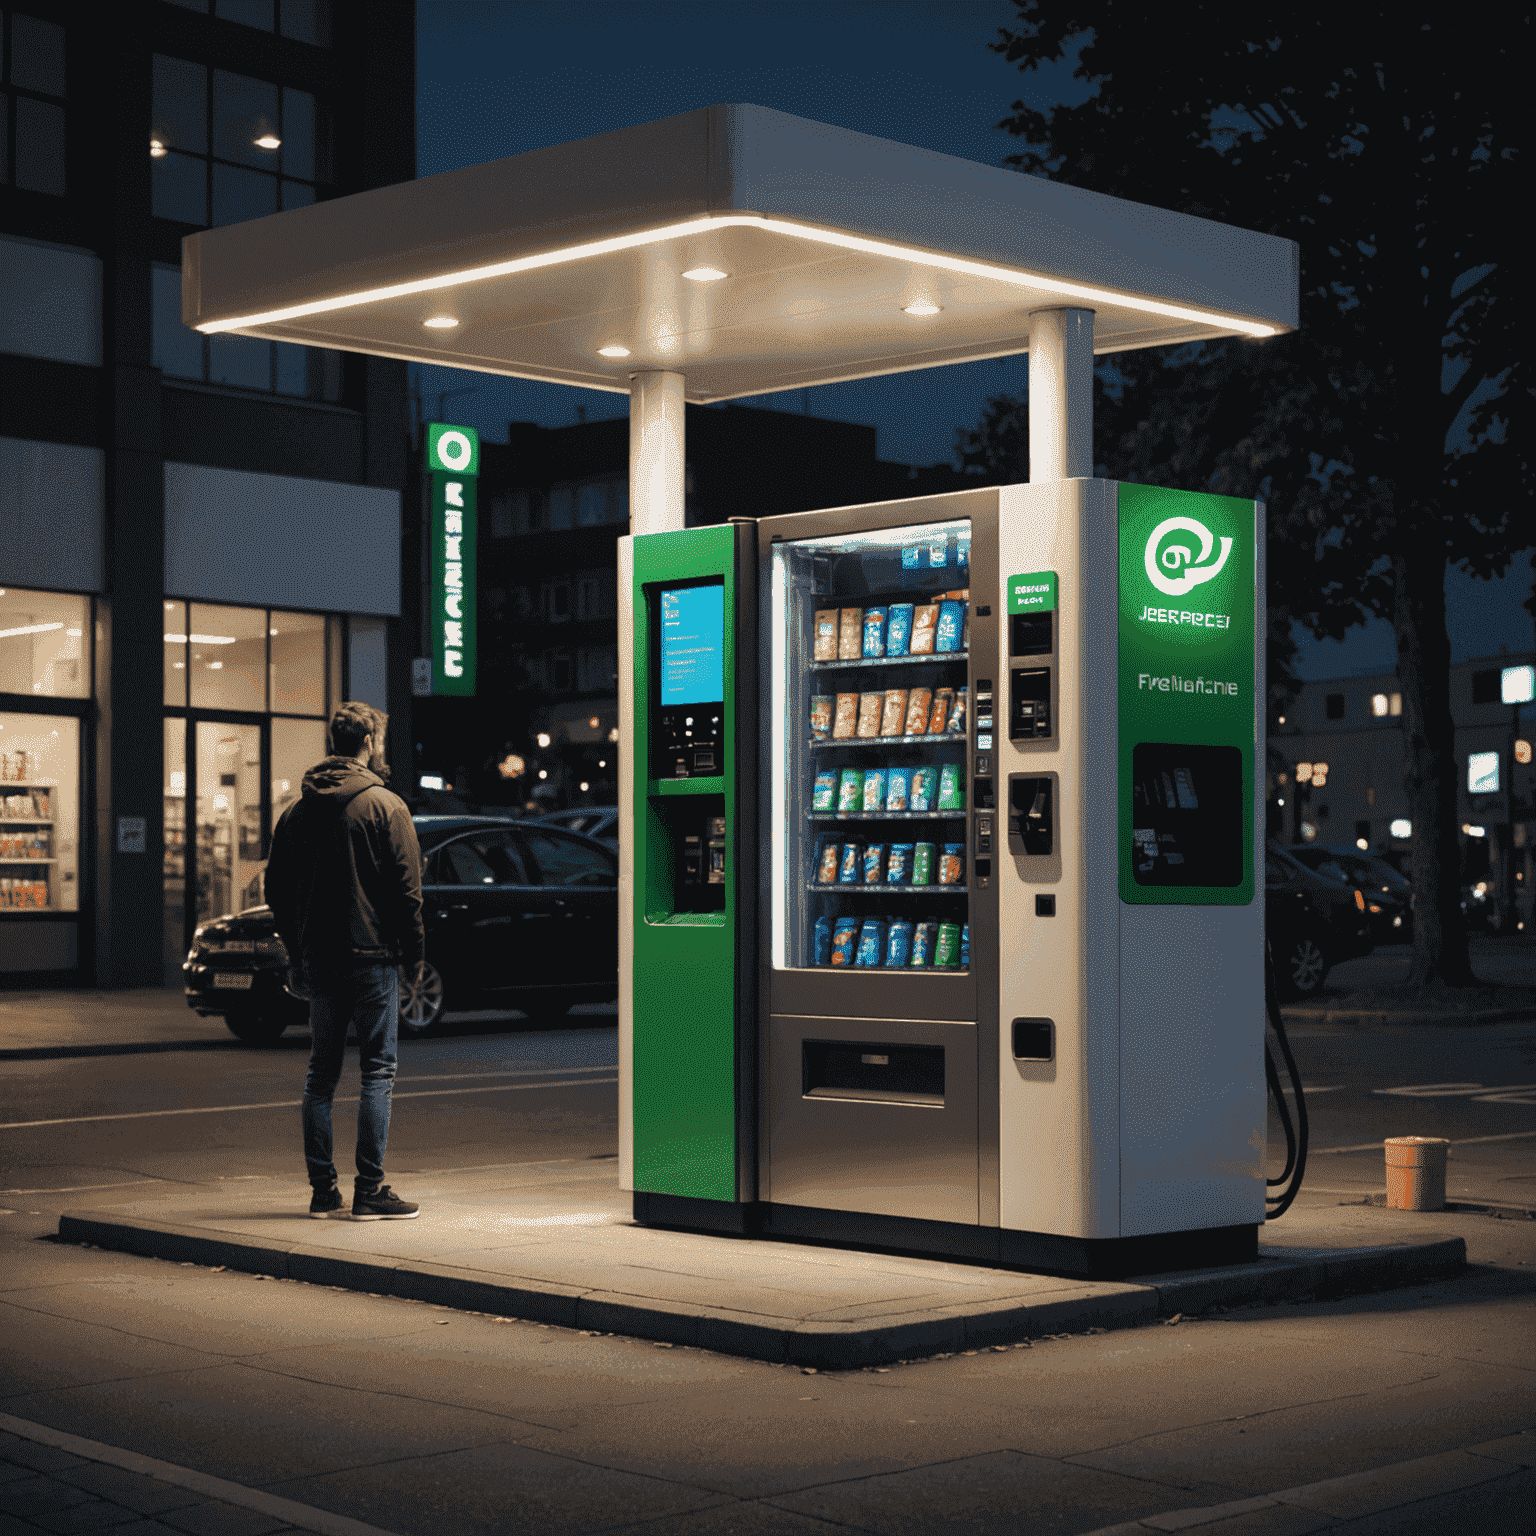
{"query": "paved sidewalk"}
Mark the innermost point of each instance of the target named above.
(556, 1243)
(53, 1481)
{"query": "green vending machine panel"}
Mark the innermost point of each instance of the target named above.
(694, 750)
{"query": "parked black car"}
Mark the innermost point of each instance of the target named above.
(1388, 895)
(518, 915)
(599, 821)
(1313, 923)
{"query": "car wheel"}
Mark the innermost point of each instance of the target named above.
(423, 1000)
(256, 1028)
(1304, 968)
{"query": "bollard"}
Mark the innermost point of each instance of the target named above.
(1416, 1173)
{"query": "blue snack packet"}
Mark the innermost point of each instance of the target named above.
(871, 950)
(951, 625)
(898, 629)
(898, 943)
(965, 944)
(845, 940)
(874, 790)
(925, 781)
(898, 866)
(898, 781)
(821, 945)
(874, 632)
(911, 557)
(851, 871)
(824, 795)
(874, 864)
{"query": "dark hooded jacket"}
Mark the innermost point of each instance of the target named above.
(344, 876)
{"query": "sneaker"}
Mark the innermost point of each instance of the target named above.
(382, 1205)
(327, 1205)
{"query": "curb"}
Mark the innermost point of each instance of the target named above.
(1280, 1274)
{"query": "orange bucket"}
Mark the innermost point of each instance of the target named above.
(1416, 1173)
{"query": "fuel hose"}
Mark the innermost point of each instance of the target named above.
(1288, 1184)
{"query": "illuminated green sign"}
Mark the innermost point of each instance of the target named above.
(453, 462)
(1187, 719)
(1034, 592)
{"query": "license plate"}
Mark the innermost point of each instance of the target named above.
(233, 981)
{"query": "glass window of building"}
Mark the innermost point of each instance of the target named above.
(297, 645)
(227, 147)
(278, 367)
(306, 21)
(39, 813)
(32, 121)
(227, 657)
(43, 644)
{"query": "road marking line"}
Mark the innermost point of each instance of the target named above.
(1465, 1141)
(225, 1109)
(306, 1517)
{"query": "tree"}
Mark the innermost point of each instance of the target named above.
(1388, 435)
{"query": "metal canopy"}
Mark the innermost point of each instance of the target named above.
(827, 239)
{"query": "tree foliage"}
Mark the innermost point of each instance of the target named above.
(1389, 435)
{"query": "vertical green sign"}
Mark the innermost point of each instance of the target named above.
(453, 463)
(1187, 603)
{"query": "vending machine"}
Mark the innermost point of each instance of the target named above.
(943, 927)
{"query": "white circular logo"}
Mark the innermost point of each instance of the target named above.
(1174, 567)
(454, 450)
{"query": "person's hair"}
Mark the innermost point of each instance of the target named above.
(351, 723)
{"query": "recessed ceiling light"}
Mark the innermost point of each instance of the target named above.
(705, 274)
(268, 141)
(613, 351)
(920, 307)
(156, 150)
(440, 323)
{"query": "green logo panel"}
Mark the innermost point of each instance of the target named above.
(1187, 604)
(1033, 592)
(452, 450)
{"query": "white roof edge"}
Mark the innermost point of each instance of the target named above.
(725, 159)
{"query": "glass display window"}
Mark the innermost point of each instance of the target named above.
(227, 657)
(43, 643)
(39, 813)
(175, 619)
(175, 853)
(869, 668)
(297, 644)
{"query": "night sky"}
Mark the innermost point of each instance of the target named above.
(498, 77)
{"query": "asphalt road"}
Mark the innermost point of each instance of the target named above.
(418, 1420)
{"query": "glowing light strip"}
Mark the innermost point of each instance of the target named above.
(831, 237)
(171, 639)
(31, 629)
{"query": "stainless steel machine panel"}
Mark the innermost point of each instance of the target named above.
(876, 1115)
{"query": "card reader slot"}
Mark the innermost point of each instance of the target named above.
(873, 1072)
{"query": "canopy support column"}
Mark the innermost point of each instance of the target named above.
(1061, 394)
(657, 452)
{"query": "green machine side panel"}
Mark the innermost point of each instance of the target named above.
(1188, 730)
(684, 987)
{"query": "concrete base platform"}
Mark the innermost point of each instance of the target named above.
(557, 1243)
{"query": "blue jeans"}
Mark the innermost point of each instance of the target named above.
(369, 1000)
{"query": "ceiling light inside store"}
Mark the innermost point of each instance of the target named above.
(30, 629)
(613, 351)
(920, 307)
(440, 323)
(705, 274)
(200, 639)
(268, 141)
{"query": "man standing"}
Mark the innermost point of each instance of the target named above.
(344, 884)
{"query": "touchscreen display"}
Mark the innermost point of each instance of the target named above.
(692, 645)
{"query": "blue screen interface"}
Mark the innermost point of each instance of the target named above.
(693, 645)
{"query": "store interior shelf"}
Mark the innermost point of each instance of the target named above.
(935, 739)
(23, 821)
(958, 815)
(837, 888)
(889, 661)
(30, 863)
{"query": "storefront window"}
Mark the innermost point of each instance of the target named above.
(297, 745)
(298, 663)
(43, 638)
(175, 801)
(39, 813)
(227, 659)
(176, 655)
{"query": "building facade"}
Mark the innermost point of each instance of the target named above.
(553, 504)
(1336, 775)
(199, 537)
